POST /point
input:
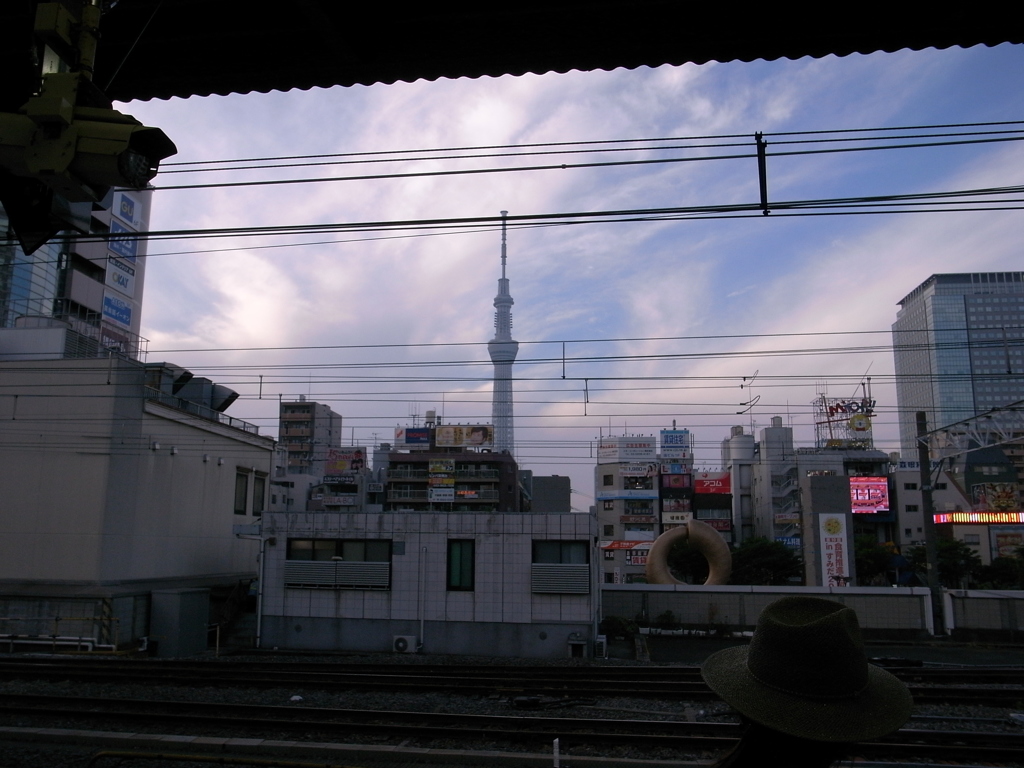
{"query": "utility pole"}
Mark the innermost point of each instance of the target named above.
(928, 510)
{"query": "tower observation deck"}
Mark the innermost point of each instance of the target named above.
(503, 350)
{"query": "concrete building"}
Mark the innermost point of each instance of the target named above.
(958, 346)
(87, 291)
(816, 500)
(432, 481)
(308, 431)
(118, 486)
(454, 583)
(975, 500)
(431, 552)
(738, 461)
(641, 491)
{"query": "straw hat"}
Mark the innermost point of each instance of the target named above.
(804, 673)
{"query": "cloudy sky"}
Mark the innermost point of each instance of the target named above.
(669, 314)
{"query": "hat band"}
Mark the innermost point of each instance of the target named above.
(805, 694)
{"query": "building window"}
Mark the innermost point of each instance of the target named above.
(972, 538)
(461, 565)
(608, 480)
(609, 504)
(241, 492)
(911, 508)
(338, 564)
(910, 486)
(561, 552)
(560, 567)
(259, 493)
(609, 554)
(609, 530)
(940, 486)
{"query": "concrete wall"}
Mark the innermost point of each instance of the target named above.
(87, 500)
(736, 608)
(977, 614)
(500, 615)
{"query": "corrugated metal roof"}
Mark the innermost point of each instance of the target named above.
(164, 48)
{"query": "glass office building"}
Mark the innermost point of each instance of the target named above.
(958, 344)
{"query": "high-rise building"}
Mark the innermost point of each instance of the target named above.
(958, 344)
(309, 431)
(503, 350)
(81, 294)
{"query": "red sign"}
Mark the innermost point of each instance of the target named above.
(719, 525)
(712, 482)
(869, 495)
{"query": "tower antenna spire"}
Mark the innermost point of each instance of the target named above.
(503, 350)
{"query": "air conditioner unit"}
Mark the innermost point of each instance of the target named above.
(403, 643)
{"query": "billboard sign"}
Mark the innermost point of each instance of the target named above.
(994, 497)
(835, 558)
(675, 444)
(464, 436)
(120, 276)
(628, 493)
(342, 460)
(414, 437)
(441, 494)
(676, 518)
(128, 209)
(626, 449)
(869, 495)
(712, 482)
(123, 241)
(676, 481)
(441, 465)
(345, 501)
(719, 525)
(625, 545)
(117, 310)
(1006, 540)
(638, 470)
(637, 557)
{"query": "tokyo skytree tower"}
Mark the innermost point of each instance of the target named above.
(503, 350)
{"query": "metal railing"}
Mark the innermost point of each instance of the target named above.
(78, 632)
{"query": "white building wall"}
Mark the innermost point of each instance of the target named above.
(87, 499)
(366, 619)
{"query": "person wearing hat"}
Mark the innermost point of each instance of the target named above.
(805, 687)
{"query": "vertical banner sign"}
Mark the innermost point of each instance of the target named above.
(835, 559)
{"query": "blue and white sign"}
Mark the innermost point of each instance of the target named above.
(128, 209)
(123, 241)
(121, 276)
(117, 310)
(675, 443)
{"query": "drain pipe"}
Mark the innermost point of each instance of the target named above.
(423, 593)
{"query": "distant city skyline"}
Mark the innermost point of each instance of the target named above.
(662, 317)
(959, 348)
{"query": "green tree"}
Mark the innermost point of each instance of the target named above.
(1003, 573)
(687, 563)
(959, 565)
(765, 562)
(872, 559)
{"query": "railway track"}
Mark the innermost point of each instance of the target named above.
(357, 725)
(979, 686)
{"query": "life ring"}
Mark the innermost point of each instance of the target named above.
(708, 542)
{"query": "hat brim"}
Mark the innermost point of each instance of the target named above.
(882, 707)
